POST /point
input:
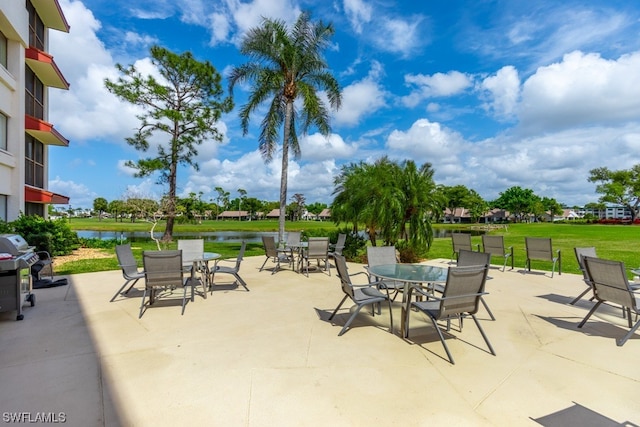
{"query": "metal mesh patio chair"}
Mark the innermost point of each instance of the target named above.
(462, 241)
(163, 270)
(494, 245)
(361, 295)
(273, 253)
(539, 248)
(129, 267)
(580, 254)
(610, 284)
(233, 270)
(318, 250)
(383, 255)
(461, 296)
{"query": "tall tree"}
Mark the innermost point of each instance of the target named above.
(520, 202)
(392, 200)
(100, 205)
(621, 187)
(456, 197)
(287, 65)
(184, 104)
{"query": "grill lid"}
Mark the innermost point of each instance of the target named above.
(14, 244)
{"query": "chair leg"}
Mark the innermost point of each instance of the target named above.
(483, 334)
(264, 263)
(576, 299)
(390, 317)
(184, 299)
(144, 294)
(593, 309)
(122, 287)
(338, 307)
(239, 279)
(624, 339)
(353, 316)
(487, 308)
(444, 344)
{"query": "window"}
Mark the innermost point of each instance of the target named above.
(36, 28)
(3, 207)
(34, 94)
(3, 50)
(31, 209)
(34, 162)
(3, 132)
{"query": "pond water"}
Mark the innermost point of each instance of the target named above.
(216, 236)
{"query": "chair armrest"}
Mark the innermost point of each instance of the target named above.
(44, 255)
(421, 290)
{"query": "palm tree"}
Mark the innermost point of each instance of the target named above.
(286, 65)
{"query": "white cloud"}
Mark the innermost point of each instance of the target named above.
(398, 35)
(358, 12)
(426, 141)
(242, 16)
(79, 194)
(318, 148)
(582, 90)
(504, 92)
(435, 85)
(361, 98)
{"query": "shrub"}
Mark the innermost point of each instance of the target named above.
(53, 236)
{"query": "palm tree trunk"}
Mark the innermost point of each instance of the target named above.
(284, 173)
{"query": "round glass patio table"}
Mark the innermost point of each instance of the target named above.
(409, 274)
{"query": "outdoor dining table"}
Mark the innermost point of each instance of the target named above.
(410, 275)
(200, 264)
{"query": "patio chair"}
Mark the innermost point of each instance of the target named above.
(318, 250)
(44, 265)
(162, 270)
(292, 245)
(273, 253)
(234, 271)
(580, 254)
(336, 249)
(129, 267)
(494, 245)
(383, 255)
(462, 241)
(361, 295)
(610, 284)
(461, 296)
(471, 258)
(193, 262)
(539, 248)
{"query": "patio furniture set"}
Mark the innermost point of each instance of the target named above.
(456, 292)
(169, 270)
(298, 254)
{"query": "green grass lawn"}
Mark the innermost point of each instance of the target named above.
(616, 242)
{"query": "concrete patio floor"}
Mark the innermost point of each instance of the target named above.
(270, 357)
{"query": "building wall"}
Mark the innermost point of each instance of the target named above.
(14, 25)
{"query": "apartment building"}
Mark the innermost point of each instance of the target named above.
(27, 73)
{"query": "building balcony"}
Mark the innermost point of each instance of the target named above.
(39, 195)
(44, 132)
(45, 68)
(51, 14)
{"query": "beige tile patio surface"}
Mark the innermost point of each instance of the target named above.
(269, 357)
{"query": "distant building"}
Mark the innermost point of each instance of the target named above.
(240, 215)
(275, 213)
(325, 214)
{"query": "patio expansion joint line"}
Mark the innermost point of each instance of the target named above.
(533, 331)
(502, 381)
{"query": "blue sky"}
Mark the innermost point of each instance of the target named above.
(492, 93)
